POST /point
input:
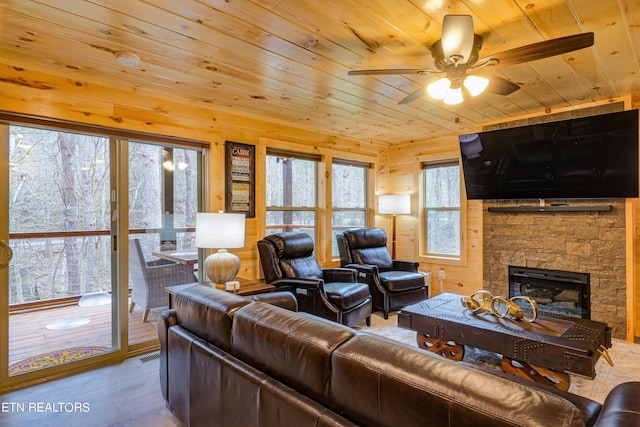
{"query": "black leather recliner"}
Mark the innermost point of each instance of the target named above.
(333, 293)
(393, 283)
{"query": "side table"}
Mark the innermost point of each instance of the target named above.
(247, 287)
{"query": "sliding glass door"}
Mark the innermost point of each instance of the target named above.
(72, 206)
(163, 201)
(59, 283)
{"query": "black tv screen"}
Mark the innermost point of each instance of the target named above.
(585, 158)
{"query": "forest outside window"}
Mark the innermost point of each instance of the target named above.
(349, 198)
(442, 219)
(291, 192)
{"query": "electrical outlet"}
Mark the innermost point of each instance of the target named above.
(441, 274)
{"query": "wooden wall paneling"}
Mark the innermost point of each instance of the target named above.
(462, 276)
(39, 93)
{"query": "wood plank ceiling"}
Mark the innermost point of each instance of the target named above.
(287, 60)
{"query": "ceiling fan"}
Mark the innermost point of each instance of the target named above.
(457, 56)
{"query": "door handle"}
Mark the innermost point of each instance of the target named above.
(6, 253)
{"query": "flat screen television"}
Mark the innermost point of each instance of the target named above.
(584, 158)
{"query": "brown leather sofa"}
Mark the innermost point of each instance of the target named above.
(230, 361)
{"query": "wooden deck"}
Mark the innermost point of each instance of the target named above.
(29, 335)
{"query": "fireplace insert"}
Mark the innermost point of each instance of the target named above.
(557, 292)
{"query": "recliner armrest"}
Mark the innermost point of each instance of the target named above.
(406, 265)
(339, 275)
(298, 283)
(366, 268)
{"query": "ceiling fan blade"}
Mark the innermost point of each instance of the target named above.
(457, 37)
(412, 96)
(541, 50)
(501, 86)
(391, 71)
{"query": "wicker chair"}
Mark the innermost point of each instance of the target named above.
(148, 279)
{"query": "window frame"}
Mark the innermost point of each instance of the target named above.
(273, 152)
(366, 168)
(461, 258)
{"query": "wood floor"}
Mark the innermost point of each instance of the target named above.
(122, 395)
(29, 335)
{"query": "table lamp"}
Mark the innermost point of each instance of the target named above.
(394, 204)
(220, 231)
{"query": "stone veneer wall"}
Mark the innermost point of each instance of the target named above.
(589, 242)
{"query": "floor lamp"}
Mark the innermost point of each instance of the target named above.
(394, 204)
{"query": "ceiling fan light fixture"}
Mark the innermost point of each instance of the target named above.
(475, 85)
(457, 37)
(439, 88)
(453, 96)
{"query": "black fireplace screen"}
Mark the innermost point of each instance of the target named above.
(564, 293)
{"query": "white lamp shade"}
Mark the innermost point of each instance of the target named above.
(439, 88)
(394, 204)
(219, 230)
(454, 96)
(475, 85)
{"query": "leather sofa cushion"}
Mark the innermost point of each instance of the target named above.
(293, 348)
(346, 294)
(217, 381)
(295, 252)
(307, 267)
(291, 244)
(369, 246)
(208, 313)
(374, 256)
(401, 280)
(392, 376)
(365, 237)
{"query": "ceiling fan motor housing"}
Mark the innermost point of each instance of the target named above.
(441, 62)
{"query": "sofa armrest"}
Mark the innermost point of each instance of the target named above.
(284, 299)
(166, 320)
(339, 275)
(621, 407)
(406, 265)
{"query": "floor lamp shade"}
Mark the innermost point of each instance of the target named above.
(394, 204)
(220, 231)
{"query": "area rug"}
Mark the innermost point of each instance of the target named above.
(53, 358)
(625, 356)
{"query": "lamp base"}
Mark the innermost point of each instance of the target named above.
(221, 267)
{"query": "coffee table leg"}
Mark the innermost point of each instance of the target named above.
(441, 346)
(539, 374)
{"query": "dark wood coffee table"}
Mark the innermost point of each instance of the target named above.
(559, 344)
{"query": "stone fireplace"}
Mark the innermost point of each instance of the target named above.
(578, 240)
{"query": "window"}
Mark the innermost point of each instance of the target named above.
(349, 198)
(291, 192)
(442, 208)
